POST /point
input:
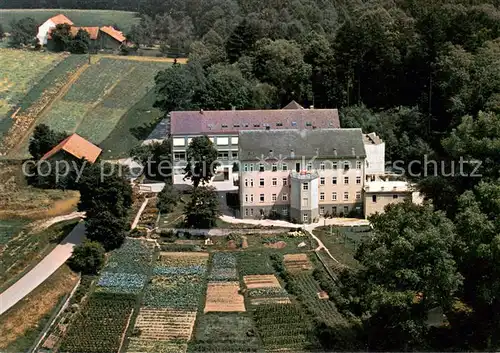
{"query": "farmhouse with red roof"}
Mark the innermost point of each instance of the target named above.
(106, 37)
(77, 147)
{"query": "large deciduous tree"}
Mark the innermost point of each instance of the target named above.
(156, 158)
(201, 157)
(87, 258)
(202, 210)
(407, 269)
(167, 199)
(22, 32)
(281, 64)
(106, 197)
(43, 140)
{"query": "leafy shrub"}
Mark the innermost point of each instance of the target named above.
(87, 258)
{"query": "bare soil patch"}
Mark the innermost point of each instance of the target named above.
(278, 245)
(297, 262)
(224, 297)
(261, 281)
(165, 324)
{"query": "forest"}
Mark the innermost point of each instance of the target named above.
(424, 75)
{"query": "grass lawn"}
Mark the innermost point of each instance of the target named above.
(18, 200)
(123, 19)
(134, 126)
(342, 242)
(20, 70)
(25, 249)
(21, 324)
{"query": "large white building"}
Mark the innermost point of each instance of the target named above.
(47, 26)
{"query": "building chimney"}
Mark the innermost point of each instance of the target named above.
(233, 108)
(201, 111)
(311, 107)
(335, 152)
(353, 151)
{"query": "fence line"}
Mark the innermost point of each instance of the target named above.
(60, 308)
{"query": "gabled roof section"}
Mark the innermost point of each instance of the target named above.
(293, 105)
(232, 121)
(61, 19)
(92, 31)
(78, 147)
(295, 144)
(114, 33)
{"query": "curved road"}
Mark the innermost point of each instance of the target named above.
(43, 270)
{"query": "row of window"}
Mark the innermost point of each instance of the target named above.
(249, 211)
(261, 167)
(305, 186)
(305, 216)
(219, 141)
(274, 198)
(284, 197)
(274, 182)
(181, 156)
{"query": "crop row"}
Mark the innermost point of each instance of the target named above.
(174, 291)
(324, 309)
(189, 270)
(134, 256)
(284, 326)
(122, 282)
(254, 263)
(100, 325)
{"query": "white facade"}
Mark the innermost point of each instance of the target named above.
(375, 156)
(43, 31)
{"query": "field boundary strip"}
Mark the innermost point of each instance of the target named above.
(143, 58)
(64, 89)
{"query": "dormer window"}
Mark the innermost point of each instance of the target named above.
(224, 126)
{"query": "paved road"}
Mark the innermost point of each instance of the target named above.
(43, 270)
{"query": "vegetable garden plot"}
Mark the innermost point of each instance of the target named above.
(180, 259)
(223, 267)
(121, 282)
(297, 262)
(100, 326)
(174, 291)
(261, 281)
(285, 327)
(323, 308)
(254, 263)
(137, 345)
(134, 256)
(224, 297)
(165, 324)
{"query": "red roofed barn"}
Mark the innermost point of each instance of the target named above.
(105, 37)
(76, 146)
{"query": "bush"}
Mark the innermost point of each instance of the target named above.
(167, 199)
(87, 258)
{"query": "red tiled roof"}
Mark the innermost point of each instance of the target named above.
(60, 19)
(92, 31)
(232, 121)
(113, 33)
(78, 147)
